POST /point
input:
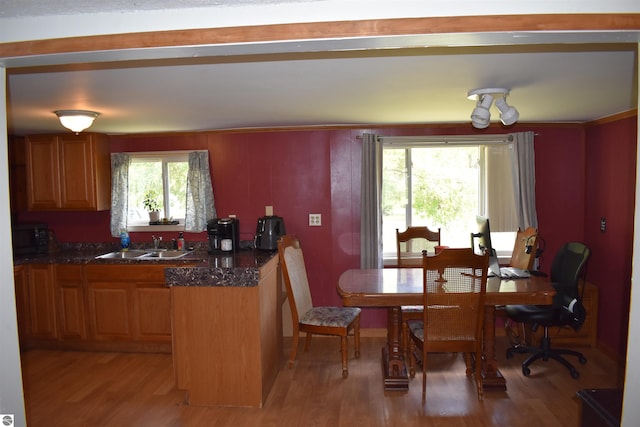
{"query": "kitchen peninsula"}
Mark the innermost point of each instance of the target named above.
(227, 329)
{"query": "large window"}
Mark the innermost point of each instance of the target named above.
(445, 185)
(164, 175)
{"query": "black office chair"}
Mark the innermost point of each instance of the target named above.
(568, 267)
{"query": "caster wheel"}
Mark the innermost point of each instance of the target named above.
(582, 360)
(574, 374)
(526, 371)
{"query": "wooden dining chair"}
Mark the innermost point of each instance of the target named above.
(307, 318)
(411, 242)
(525, 249)
(454, 285)
(409, 245)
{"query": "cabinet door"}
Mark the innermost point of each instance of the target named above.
(70, 303)
(110, 311)
(77, 175)
(42, 309)
(17, 174)
(21, 281)
(43, 173)
(152, 311)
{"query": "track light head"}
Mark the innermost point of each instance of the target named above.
(481, 116)
(508, 114)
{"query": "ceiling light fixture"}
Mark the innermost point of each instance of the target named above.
(76, 120)
(481, 116)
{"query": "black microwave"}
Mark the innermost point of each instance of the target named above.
(30, 238)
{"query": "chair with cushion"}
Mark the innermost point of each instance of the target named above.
(337, 321)
(568, 267)
(454, 283)
(410, 244)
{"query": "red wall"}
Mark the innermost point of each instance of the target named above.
(303, 172)
(610, 193)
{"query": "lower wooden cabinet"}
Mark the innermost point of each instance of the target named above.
(41, 302)
(21, 281)
(109, 309)
(129, 303)
(93, 307)
(152, 312)
(586, 335)
(70, 302)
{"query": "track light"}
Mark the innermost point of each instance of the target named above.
(481, 115)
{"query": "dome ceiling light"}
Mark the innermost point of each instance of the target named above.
(481, 114)
(76, 120)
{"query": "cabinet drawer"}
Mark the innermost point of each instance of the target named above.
(130, 273)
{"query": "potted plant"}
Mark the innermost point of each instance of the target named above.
(152, 205)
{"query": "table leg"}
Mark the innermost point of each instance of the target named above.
(491, 376)
(393, 364)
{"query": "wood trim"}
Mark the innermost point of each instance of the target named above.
(326, 30)
(613, 118)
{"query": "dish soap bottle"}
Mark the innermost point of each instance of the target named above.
(124, 240)
(181, 241)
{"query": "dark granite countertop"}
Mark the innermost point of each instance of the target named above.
(200, 267)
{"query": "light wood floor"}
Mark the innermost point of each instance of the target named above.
(115, 389)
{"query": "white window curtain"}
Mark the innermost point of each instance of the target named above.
(371, 203)
(524, 179)
(499, 204)
(200, 202)
(119, 191)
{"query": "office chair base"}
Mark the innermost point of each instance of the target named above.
(545, 352)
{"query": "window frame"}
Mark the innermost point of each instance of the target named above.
(407, 143)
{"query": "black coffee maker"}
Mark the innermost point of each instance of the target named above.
(224, 235)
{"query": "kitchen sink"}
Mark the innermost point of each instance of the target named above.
(144, 254)
(164, 255)
(131, 254)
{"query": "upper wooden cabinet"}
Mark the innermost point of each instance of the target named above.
(68, 172)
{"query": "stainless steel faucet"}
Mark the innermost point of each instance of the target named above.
(156, 241)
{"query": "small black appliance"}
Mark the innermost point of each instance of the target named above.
(224, 235)
(268, 231)
(30, 238)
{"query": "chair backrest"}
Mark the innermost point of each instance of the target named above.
(411, 242)
(525, 249)
(568, 267)
(295, 276)
(455, 282)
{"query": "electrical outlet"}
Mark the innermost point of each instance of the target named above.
(315, 220)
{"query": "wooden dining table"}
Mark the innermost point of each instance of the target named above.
(395, 287)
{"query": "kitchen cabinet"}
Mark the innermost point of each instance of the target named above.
(41, 302)
(227, 341)
(70, 302)
(128, 303)
(17, 174)
(68, 172)
(21, 282)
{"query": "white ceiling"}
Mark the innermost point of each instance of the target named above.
(552, 78)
